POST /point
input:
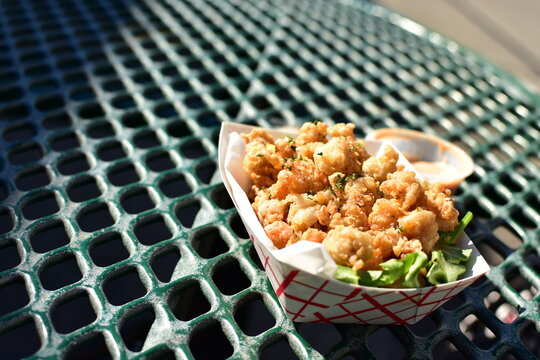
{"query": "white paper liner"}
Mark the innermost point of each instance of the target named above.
(297, 270)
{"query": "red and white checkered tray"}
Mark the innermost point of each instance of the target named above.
(302, 274)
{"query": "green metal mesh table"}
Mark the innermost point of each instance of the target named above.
(117, 237)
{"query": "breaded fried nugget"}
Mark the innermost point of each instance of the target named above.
(360, 196)
(380, 167)
(328, 214)
(298, 176)
(340, 154)
(383, 246)
(302, 212)
(420, 225)
(258, 135)
(349, 246)
(308, 150)
(262, 163)
(350, 215)
(285, 147)
(406, 246)
(404, 187)
(280, 233)
(311, 132)
(269, 211)
(439, 201)
(362, 192)
(313, 235)
(385, 214)
(341, 130)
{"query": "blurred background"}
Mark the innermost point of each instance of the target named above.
(505, 32)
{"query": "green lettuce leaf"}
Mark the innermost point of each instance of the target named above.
(392, 270)
(448, 259)
(447, 264)
(406, 269)
(442, 271)
(346, 274)
(411, 276)
(455, 255)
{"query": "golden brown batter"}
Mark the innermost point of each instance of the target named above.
(324, 187)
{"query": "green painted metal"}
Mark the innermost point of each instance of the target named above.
(109, 116)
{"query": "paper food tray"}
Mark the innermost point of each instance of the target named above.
(302, 274)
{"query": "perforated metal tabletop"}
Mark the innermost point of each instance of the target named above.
(117, 237)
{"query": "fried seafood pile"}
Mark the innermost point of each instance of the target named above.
(324, 187)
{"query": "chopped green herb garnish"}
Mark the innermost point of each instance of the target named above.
(340, 182)
(292, 158)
